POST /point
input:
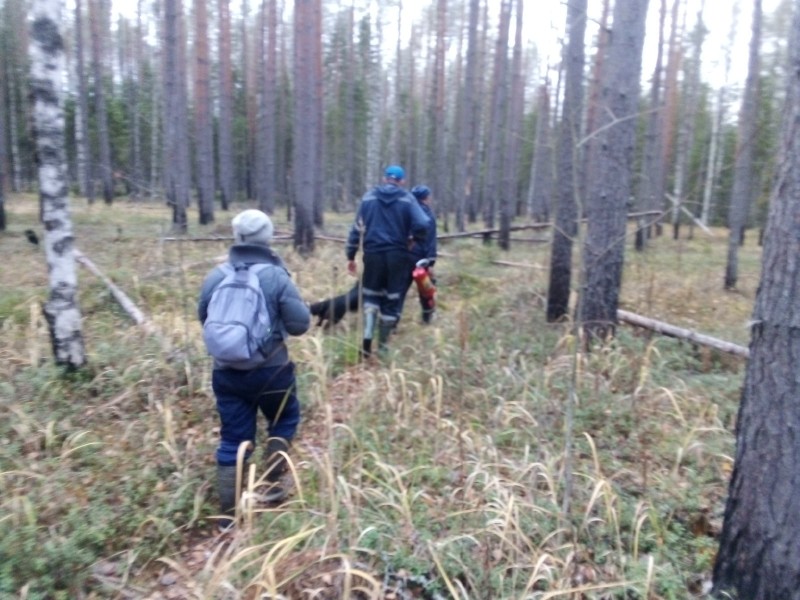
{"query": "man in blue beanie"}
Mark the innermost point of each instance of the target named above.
(387, 218)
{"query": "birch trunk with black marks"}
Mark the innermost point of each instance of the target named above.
(47, 67)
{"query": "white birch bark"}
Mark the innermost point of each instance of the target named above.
(47, 67)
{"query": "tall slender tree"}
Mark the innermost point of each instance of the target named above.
(83, 147)
(225, 95)
(176, 152)
(62, 310)
(498, 113)
(759, 556)
(610, 181)
(203, 123)
(98, 26)
(743, 185)
(305, 136)
(540, 191)
(568, 174)
(469, 120)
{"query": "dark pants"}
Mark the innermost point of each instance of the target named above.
(241, 394)
(385, 282)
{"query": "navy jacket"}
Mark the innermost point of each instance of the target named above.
(427, 247)
(387, 217)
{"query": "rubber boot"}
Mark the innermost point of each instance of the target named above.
(275, 466)
(226, 490)
(384, 331)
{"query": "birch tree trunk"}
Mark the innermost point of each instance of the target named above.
(610, 181)
(759, 556)
(745, 152)
(61, 310)
(568, 181)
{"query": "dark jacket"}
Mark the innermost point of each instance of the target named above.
(287, 311)
(427, 247)
(387, 217)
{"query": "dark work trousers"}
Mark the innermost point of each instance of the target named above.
(384, 283)
(241, 394)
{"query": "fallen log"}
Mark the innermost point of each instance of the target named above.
(684, 334)
(124, 301)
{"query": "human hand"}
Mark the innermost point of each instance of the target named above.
(351, 267)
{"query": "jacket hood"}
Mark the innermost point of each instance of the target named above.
(389, 192)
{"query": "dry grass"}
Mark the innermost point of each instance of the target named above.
(437, 474)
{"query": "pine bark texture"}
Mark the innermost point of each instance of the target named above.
(176, 152)
(305, 138)
(567, 187)
(203, 125)
(98, 19)
(609, 189)
(759, 554)
(61, 310)
(225, 128)
(743, 185)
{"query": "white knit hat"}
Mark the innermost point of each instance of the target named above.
(252, 227)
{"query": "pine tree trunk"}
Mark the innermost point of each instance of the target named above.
(98, 19)
(540, 190)
(745, 151)
(204, 128)
(759, 556)
(47, 66)
(83, 151)
(225, 143)
(609, 189)
(569, 134)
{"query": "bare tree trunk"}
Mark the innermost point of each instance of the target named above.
(225, 143)
(686, 128)
(759, 556)
(203, 125)
(568, 181)
(670, 107)
(84, 158)
(610, 181)
(470, 118)
(98, 19)
(540, 191)
(652, 174)
(176, 176)
(745, 151)
(497, 118)
(47, 66)
(304, 135)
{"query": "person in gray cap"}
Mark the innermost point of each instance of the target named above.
(388, 218)
(265, 381)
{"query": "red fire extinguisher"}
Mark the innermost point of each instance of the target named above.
(424, 284)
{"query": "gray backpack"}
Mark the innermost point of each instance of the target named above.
(238, 323)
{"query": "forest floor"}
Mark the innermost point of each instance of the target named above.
(486, 457)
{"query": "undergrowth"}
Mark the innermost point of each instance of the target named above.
(438, 473)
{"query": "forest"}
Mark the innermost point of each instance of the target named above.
(604, 406)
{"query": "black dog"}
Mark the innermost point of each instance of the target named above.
(334, 309)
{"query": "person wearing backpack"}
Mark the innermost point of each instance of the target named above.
(388, 221)
(248, 306)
